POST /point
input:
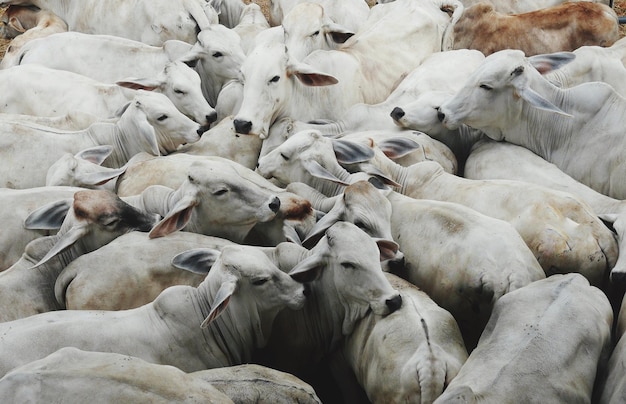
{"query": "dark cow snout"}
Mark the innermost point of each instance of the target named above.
(440, 115)
(394, 303)
(212, 117)
(275, 204)
(242, 127)
(397, 113)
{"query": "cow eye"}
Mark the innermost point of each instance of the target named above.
(360, 224)
(110, 222)
(486, 87)
(259, 282)
(284, 157)
(275, 79)
(162, 117)
(217, 55)
(220, 191)
(348, 265)
(179, 91)
(315, 33)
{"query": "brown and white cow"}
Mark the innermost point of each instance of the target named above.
(564, 27)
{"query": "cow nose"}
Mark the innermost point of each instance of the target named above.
(394, 303)
(275, 204)
(440, 115)
(201, 130)
(212, 117)
(397, 113)
(242, 127)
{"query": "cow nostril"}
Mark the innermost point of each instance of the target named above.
(242, 127)
(275, 204)
(394, 303)
(212, 117)
(441, 116)
(397, 113)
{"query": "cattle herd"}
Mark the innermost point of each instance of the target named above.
(290, 201)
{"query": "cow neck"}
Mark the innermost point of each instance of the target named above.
(211, 84)
(103, 133)
(530, 124)
(36, 284)
(238, 330)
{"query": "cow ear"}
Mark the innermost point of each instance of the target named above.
(307, 270)
(319, 229)
(49, 216)
(536, 100)
(95, 154)
(220, 302)
(397, 147)
(16, 24)
(388, 249)
(338, 33)
(99, 178)
(348, 152)
(196, 260)
(65, 241)
(551, 61)
(174, 221)
(317, 170)
(309, 76)
(139, 84)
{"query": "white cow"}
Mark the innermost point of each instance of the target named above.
(611, 386)
(94, 219)
(250, 383)
(73, 120)
(24, 24)
(410, 355)
(220, 198)
(594, 63)
(508, 99)
(150, 123)
(532, 352)
(252, 22)
(109, 279)
(502, 160)
(73, 375)
(463, 259)
(348, 13)
(84, 169)
(218, 56)
(247, 20)
(307, 27)
(347, 284)
(441, 71)
(110, 59)
(190, 328)
(17, 205)
(568, 234)
(365, 70)
(422, 114)
(152, 22)
(16, 20)
(45, 91)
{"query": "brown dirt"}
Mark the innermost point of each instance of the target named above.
(619, 7)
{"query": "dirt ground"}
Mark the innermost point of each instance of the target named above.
(619, 7)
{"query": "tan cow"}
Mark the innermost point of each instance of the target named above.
(560, 28)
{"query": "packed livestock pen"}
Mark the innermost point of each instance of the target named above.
(312, 201)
